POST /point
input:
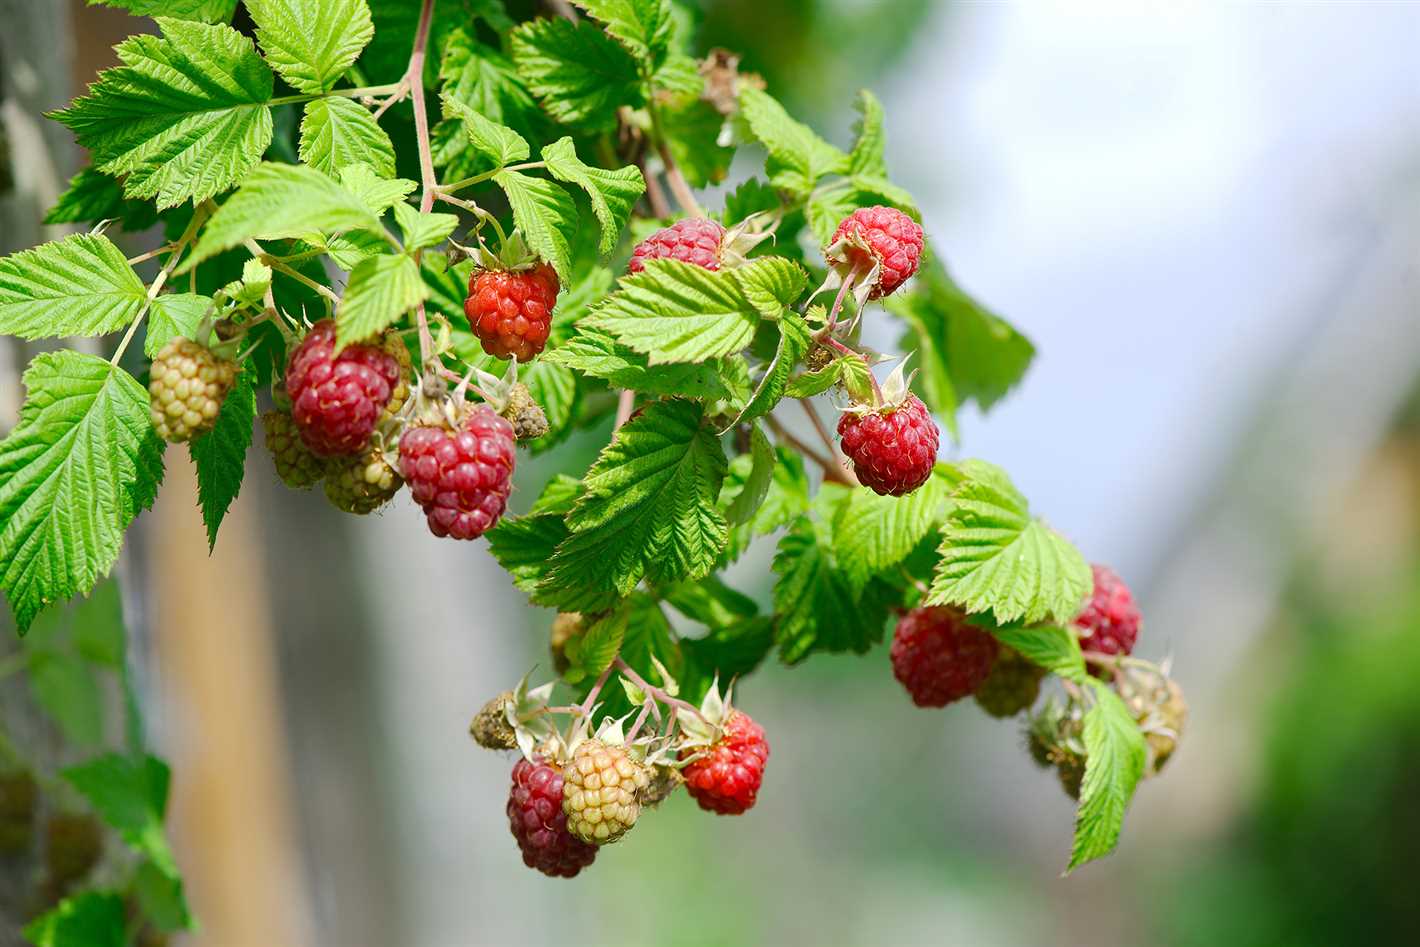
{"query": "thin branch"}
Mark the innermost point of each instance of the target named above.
(654, 195)
(831, 470)
(658, 693)
(199, 214)
(625, 407)
(586, 706)
(414, 75)
(684, 196)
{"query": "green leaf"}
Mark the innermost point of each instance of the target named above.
(74, 472)
(88, 919)
(1049, 646)
(964, 352)
(591, 651)
(643, 26)
(597, 354)
(376, 193)
(220, 454)
(798, 157)
(184, 117)
(208, 11)
(173, 315)
(278, 201)
(423, 230)
(381, 289)
(649, 510)
(809, 384)
(579, 74)
(874, 533)
(81, 285)
(692, 132)
(678, 312)
(546, 215)
(498, 143)
(1114, 762)
(867, 154)
(129, 794)
(756, 484)
(64, 685)
(815, 606)
(337, 132)
(93, 196)
(880, 187)
(710, 602)
(612, 193)
(524, 545)
(311, 42)
(997, 559)
(161, 898)
(794, 341)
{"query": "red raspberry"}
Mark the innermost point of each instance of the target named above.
(336, 399)
(892, 449)
(460, 478)
(692, 240)
(535, 815)
(896, 242)
(1110, 620)
(940, 658)
(727, 777)
(511, 312)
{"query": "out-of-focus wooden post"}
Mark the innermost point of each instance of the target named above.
(212, 633)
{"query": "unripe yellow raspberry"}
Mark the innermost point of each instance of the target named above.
(186, 387)
(601, 788)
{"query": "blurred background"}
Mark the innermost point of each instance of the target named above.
(1207, 218)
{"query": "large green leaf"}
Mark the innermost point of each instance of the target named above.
(88, 919)
(381, 289)
(996, 558)
(612, 193)
(283, 200)
(311, 42)
(130, 794)
(679, 312)
(337, 132)
(581, 75)
(798, 157)
(816, 608)
(874, 533)
(220, 454)
(74, 472)
(184, 117)
(643, 26)
(597, 354)
(649, 510)
(1115, 755)
(81, 285)
(496, 142)
(546, 215)
(208, 11)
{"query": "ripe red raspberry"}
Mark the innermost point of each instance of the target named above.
(540, 826)
(336, 399)
(940, 658)
(892, 449)
(460, 478)
(694, 240)
(895, 240)
(511, 311)
(726, 778)
(186, 387)
(1110, 620)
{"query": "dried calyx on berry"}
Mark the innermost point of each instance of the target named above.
(526, 415)
(725, 753)
(1055, 738)
(511, 296)
(891, 439)
(517, 719)
(1158, 706)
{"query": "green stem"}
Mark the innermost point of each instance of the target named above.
(371, 91)
(486, 175)
(199, 214)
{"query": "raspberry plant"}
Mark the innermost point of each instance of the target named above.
(404, 230)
